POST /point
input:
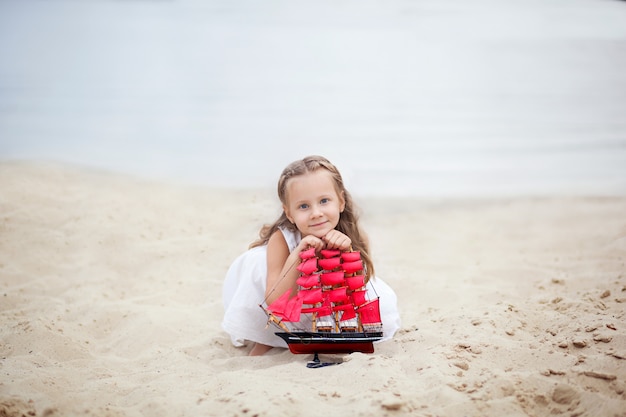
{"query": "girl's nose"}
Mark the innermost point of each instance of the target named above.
(316, 212)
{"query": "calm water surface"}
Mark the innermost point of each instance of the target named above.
(434, 98)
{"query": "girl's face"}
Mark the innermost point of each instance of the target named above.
(313, 203)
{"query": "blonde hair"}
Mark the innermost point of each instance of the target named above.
(348, 220)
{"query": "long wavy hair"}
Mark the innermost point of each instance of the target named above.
(348, 220)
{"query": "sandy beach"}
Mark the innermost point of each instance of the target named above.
(111, 304)
(484, 142)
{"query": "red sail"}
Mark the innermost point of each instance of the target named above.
(348, 311)
(343, 307)
(330, 263)
(279, 306)
(288, 309)
(321, 311)
(338, 295)
(348, 314)
(329, 253)
(355, 282)
(308, 267)
(351, 256)
(370, 312)
(351, 267)
(293, 309)
(308, 281)
(313, 296)
(307, 254)
(358, 297)
(332, 278)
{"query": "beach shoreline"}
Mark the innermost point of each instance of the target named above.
(111, 304)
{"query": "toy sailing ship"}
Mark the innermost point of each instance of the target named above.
(331, 312)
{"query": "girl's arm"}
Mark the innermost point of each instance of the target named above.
(282, 271)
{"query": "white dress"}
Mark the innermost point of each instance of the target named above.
(244, 291)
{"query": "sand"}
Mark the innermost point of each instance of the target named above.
(110, 304)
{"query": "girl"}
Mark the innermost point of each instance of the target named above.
(317, 212)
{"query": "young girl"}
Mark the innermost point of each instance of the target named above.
(317, 212)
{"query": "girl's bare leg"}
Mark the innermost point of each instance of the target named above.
(259, 349)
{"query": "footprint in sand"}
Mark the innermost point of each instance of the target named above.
(564, 394)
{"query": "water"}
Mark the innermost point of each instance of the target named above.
(426, 98)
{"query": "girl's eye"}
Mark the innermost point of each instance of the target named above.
(303, 206)
(324, 200)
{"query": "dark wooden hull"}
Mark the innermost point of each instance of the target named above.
(306, 342)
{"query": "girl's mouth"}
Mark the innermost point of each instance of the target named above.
(318, 224)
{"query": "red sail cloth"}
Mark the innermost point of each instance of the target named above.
(332, 278)
(351, 267)
(279, 305)
(348, 314)
(370, 312)
(321, 311)
(308, 281)
(330, 263)
(343, 307)
(351, 256)
(288, 309)
(338, 295)
(307, 254)
(346, 297)
(355, 282)
(308, 267)
(293, 309)
(358, 297)
(329, 253)
(313, 296)
(348, 311)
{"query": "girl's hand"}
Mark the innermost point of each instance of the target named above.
(310, 241)
(337, 240)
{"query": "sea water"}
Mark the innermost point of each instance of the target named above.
(422, 98)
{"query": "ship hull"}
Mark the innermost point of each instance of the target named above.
(306, 342)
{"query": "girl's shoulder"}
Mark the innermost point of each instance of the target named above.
(292, 238)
